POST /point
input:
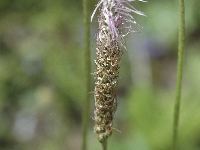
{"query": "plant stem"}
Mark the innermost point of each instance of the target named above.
(104, 144)
(179, 72)
(86, 103)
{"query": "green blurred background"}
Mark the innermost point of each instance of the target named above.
(42, 77)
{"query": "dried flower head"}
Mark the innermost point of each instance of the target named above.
(115, 22)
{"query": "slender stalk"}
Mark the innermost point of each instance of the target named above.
(104, 144)
(86, 103)
(179, 72)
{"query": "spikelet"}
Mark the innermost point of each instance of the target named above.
(115, 22)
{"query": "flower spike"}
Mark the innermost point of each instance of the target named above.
(115, 22)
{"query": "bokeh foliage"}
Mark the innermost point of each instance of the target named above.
(42, 77)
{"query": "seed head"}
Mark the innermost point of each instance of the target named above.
(115, 21)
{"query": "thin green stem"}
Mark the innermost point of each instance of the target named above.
(179, 72)
(104, 144)
(86, 103)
